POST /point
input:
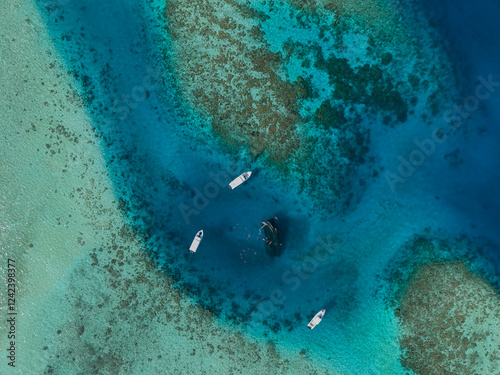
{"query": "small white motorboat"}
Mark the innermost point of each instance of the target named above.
(316, 320)
(240, 179)
(196, 241)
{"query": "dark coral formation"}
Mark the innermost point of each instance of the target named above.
(328, 115)
(364, 85)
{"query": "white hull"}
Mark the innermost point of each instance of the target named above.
(240, 179)
(196, 242)
(316, 320)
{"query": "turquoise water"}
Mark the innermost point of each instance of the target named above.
(412, 167)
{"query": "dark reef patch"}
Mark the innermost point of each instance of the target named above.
(366, 85)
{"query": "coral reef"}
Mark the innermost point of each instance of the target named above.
(450, 321)
(300, 91)
(227, 72)
(373, 14)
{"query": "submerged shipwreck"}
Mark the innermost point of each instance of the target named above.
(274, 245)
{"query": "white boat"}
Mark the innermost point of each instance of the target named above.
(316, 320)
(196, 241)
(240, 179)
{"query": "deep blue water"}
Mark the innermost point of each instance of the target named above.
(160, 155)
(472, 33)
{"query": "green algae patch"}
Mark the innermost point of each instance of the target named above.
(450, 321)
